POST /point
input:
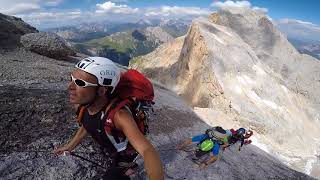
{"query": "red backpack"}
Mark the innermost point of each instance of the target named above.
(133, 92)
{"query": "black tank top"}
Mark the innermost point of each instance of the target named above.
(95, 127)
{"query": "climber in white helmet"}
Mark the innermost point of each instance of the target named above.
(91, 88)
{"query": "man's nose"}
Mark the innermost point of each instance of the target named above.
(71, 85)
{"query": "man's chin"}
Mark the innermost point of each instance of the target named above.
(73, 101)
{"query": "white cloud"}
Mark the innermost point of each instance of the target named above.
(226, 4)
(305, 22)
(21, 8)
(294, 21)
(237, 4)
(263, 10)
(176, 11)
(110, 7)
(299, 23)
(52, 2)
(119, 1)
(48, 17)
(298, 29)
(14, 7)
(44, 19)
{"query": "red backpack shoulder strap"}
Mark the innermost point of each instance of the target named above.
(112, 111)
(80, 114)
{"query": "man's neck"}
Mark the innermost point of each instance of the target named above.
(97, 105)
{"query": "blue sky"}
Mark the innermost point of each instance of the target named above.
(307, 10)
(42, 13)
(293, 9)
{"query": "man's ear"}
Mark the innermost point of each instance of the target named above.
(102, 91)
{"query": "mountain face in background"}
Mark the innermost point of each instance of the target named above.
(237, 68)
(122, 46)
(88, 31)
(304, 36)
(311, 48)
(121, 42)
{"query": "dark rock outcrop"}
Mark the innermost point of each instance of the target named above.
(47, 44)
(33, 121)
(11, 29)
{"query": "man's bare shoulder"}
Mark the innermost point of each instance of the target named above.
(122, 117)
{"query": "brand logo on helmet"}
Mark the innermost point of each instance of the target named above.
(107, 73)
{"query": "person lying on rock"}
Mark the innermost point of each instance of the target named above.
(214, 139)
(109, 119)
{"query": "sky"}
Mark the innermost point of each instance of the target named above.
(52, 13)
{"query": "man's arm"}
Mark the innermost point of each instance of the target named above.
(212, 159)
(81, 133)
(226, 144)
(152, 163)
(194, 139)
(213, 155)
(184, 144)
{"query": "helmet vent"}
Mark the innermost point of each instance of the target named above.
(107, 82)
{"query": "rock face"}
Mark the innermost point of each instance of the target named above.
(47, 44)
(307, 47)
(160, 61)
(35, 116)
(122, 46)
(311, 49)
(11, 28)
(159, 34)
(238, 66)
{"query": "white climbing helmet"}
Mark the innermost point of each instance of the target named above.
(107, 73)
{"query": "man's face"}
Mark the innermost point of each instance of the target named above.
(82, 95)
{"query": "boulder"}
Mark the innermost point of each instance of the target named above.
(47, 44)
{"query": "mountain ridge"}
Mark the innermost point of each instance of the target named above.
(228, 63)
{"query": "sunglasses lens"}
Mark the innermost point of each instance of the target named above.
(80, 82)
